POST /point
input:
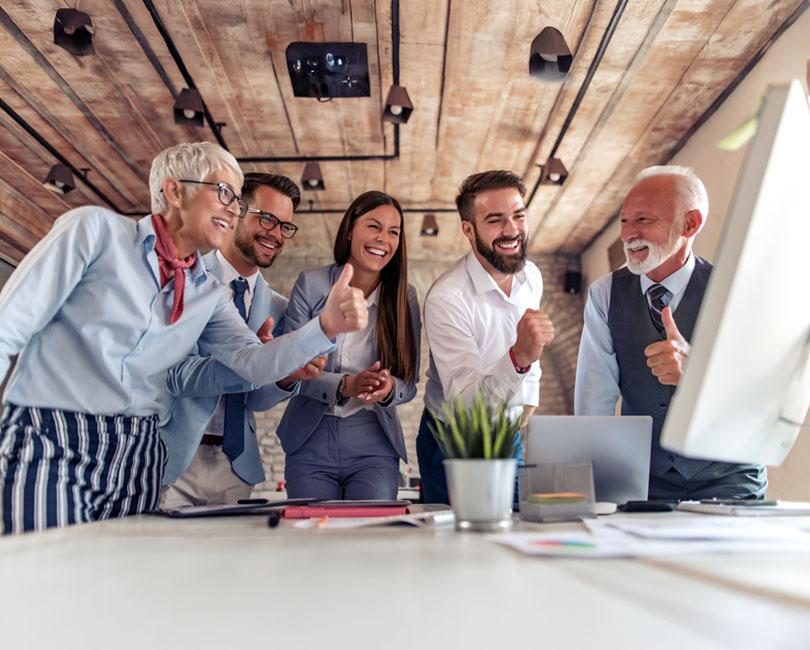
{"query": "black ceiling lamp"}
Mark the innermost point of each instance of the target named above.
(430, 228)
(59, 179)
(188, 109)
(73, 30)
(312, 179)
(550, 58)
(398, 106)
(553, 172)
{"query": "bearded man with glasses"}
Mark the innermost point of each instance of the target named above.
(210, 433)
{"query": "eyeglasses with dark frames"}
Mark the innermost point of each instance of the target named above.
(269, 221)
(225, 194)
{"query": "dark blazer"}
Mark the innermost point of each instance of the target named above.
(304, 412)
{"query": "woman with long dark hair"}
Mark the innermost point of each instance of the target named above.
(341, 432)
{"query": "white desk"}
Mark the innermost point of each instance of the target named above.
(151, 582)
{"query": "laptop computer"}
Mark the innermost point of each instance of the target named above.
(618, 448)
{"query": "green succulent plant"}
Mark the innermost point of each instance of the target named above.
(480, 430)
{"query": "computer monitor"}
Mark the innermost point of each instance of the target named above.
(746, 387)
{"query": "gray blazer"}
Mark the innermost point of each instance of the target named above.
(305, 411)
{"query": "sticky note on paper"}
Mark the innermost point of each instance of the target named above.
(558, 497)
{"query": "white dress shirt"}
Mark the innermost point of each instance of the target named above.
(355, 352)
(471, 325)
(597, 383)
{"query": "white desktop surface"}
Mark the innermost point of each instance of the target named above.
(232, 582)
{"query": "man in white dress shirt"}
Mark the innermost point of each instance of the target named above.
(482, 317)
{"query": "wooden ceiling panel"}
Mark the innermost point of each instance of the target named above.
(711, 70)
(465, 67)
(421, 72)
(658, 74)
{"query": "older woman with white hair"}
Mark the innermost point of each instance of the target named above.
(98, 311)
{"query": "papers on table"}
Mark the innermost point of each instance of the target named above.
(661, 536)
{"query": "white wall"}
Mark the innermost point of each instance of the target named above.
(786, 59)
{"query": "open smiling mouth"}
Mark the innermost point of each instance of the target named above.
(220, 223)
(266, 244)
(511, 246)
(377, 252)
(635, 249)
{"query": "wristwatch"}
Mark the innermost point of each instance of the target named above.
(340, 398)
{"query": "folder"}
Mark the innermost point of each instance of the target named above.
(371, 508)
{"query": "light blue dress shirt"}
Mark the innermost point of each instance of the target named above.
(90, 321)
(597, 383)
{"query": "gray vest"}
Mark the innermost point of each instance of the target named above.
(632, 329)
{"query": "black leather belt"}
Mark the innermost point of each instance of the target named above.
(208, 439)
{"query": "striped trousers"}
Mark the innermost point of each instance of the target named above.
(60, 467)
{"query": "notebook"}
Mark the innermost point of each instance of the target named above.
(618, 448)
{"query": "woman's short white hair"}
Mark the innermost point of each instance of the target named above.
(689, 187)
(189, 161)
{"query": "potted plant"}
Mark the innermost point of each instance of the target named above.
(479, 443)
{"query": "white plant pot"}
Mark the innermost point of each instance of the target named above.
(481, 492)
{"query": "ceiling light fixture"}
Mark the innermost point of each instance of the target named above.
(59, 179)
(430, 228)
(550, 57)
(398, 106)
(312, 179)
(553, 172)
(188, 109)
(73, 30)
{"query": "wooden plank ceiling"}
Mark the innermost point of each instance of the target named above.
(464, 63)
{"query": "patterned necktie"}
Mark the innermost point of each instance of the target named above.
(233, 441)
(657, 294)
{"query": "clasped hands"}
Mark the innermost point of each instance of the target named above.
(667, 359)
(370, 385)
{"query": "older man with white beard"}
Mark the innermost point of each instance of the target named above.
(638, 323)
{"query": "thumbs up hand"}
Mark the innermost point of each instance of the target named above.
(345, 309)
(667, 359)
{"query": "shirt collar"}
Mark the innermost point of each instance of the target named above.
(146, 238)
(481, 279)
(229, 274)
(374, 296)
(674, 282)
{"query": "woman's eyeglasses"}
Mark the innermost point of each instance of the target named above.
(225, 195)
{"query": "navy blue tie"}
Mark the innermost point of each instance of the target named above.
(657, 294)
(233, 441)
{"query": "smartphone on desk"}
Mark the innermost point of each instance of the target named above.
(648, 506)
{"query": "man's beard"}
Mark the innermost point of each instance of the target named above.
(657, 254)
(244, 245)
(504, 263)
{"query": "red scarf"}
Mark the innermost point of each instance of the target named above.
(171, 265)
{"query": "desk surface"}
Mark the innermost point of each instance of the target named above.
(152, 582)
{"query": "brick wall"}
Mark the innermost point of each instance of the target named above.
(558, 363)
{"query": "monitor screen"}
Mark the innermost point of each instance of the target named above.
(746, 387)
